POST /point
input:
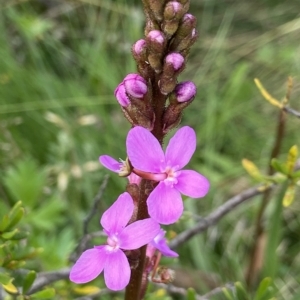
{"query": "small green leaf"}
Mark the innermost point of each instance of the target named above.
(191, 294)
(279, 166)
(4, 279)
(28, 281)
(240, 291)
(4, 223)
(15, 219)
(20, 235)
(263, 288)
(44, 294)
(9, 235)
(227, 294)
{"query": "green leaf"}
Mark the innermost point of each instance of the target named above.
(44, 294)
(5, 279)
(25, 181)
(28, 281)
(263, 288)
(4, 223)
(191, 294)
(227, 294)
(20, 235)
(273, 235)
(279, 166)
(9, 235)
(15, 219)
(240, 291)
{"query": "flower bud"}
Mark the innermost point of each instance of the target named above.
(120, 94)
(139, 50)
(174, 60)
(185, 91)
(173, 10)
(170, 27)
(155, 44)
(156, 38)
(186, 34)
(135, 85)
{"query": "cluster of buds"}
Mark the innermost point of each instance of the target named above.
(160, 57)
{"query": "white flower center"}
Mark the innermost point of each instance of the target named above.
(113, 242)
(171, 175)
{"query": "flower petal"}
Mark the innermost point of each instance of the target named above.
(138, 234)
(119, 214)
(89, 265)
(165, 204)
(192, 184)
(110, 163)
(160, 244)
(144, 151)
(181, 147)
(163, 247)
(117, 271)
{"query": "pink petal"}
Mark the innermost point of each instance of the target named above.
(165, 204)
(117, 271)
(160, 244)
(163, 247)
(89, 265)
(110, 163)
(181, 147)
(192, 184)
(144, 150)
(138, 234)
(118, 215)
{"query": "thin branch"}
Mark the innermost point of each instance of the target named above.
(216, 215)
(45, 278)
(172, 289)
(291, 111)
(86, 236)
(95, 205)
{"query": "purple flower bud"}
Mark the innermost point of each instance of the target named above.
(185, 91)
(172, 8)
(139, 46)
(175, 59)
(156, 36)
(189, 18)
(135, 85)
(120, 94)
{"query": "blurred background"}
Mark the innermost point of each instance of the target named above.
(60, 62)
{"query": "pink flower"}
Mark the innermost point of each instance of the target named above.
(145, 154)
(159, 243)
(110, 257)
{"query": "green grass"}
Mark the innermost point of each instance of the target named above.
(68, 58)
